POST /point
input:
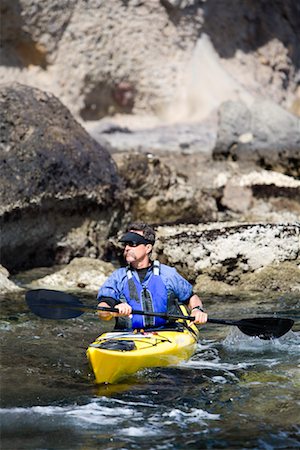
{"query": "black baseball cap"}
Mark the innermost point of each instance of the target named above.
(134, 237)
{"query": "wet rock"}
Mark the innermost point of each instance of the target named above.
(58, 190)
(283, 277)
(86, 274)
(224, 252)
(230, 259)
(263, 133)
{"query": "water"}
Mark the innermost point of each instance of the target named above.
(236, 392)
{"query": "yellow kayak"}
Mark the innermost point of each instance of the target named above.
(117, 354)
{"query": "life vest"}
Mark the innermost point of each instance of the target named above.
(151, 296)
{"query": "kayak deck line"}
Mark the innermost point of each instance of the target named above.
(144, 340)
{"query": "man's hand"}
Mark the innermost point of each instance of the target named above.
(124, 309)
(200, 317)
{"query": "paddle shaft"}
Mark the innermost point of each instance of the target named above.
(172, 316)
(50, 304)
(166, 316)
(263, 328)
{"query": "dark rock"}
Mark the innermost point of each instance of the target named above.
(58, 184)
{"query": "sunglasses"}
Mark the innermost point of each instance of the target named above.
(132, 244)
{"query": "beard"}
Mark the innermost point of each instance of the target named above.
(130, 256)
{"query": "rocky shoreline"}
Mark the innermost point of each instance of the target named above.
(229, 259)
(59, 209)
(161, 116)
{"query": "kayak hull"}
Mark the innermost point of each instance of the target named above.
(118, 354)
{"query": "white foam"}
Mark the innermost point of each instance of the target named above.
(219, 380)
(193, 415)
(95, 413)
(91, 413)
(134, 420)
(139, 431)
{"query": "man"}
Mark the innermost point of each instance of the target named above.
(145, 285)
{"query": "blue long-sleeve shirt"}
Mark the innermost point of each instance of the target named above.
(176, 285)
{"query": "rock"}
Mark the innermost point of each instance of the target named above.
(264, 193)
(214, 189)
(58, 190)
(184, 138)
(224, 252)
(160, 194)
(280, 278)
(263, 133)
(81, 273)
(100, 66)
(205, 85)
(283, 277)
(7, 285)
(32, 32)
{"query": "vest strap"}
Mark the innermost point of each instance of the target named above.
(132, 287)
(156, 267)
(146, 298)
(147, 306)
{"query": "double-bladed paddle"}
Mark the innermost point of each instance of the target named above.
(51, 304)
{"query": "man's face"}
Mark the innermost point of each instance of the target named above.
(136, 254)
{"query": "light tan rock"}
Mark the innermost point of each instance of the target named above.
(81, 273)
(7, 285)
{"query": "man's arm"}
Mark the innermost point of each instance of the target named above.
(183, 290)
(196, 307)
(109, 294)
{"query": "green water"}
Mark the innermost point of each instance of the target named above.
(235, 393)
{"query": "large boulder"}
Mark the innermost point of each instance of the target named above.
(58, 185)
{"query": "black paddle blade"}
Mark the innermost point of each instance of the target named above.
(265, 327)
(50, 304)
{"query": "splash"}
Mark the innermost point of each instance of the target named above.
(205, 85)
(237, 341)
